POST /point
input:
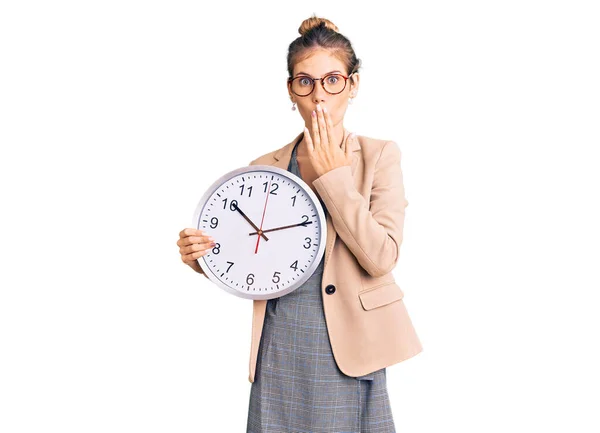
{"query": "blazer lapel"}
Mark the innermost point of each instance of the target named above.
(282, 160)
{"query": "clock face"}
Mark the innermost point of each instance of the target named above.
(250, 200)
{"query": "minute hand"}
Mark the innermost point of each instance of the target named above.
(303, 223)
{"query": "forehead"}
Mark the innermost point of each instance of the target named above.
(319, 62)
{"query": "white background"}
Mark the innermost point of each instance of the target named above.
(116, 115)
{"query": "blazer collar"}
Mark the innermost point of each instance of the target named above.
(284, 154)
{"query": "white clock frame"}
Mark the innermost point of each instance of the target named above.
(218, 189)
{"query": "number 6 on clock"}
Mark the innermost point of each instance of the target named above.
(270, 229)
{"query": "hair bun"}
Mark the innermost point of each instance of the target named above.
(315, 21)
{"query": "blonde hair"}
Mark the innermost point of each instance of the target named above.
(313, 22)
(320, 33)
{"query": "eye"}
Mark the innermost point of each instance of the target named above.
(332, 79)
(305, 81)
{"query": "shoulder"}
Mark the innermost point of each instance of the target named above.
(374, 149)
(266, 159)
(280, 152)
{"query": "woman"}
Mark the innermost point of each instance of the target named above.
(319, 353)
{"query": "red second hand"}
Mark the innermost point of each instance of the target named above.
(263, 217)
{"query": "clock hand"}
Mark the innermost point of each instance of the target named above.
(263, 217)
(251, 223)
(304, 223)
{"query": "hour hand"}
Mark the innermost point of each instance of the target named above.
(303, 223)
(252, 224)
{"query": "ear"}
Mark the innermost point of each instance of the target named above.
(290, 91)
(354, 80)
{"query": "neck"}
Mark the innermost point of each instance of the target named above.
(337, 137)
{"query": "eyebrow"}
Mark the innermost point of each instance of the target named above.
(327, 73)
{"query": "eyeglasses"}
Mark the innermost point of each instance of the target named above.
(304, 85)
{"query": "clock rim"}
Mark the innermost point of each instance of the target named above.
(320, 213)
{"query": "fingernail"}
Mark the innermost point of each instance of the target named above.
(324, 109)
(318, 107)
(212, 244)
(313, 113)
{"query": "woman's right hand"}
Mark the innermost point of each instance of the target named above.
(194, 243)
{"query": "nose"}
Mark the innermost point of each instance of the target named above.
(318, 92)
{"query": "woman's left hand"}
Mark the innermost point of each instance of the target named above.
(323, 153)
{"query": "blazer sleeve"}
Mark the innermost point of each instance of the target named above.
(372, 231)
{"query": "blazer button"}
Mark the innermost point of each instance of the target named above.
(330, 289)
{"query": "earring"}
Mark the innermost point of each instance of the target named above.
(351, 100)
(294, 106)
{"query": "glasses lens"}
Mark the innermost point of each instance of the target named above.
(334, 83)
(302, 86)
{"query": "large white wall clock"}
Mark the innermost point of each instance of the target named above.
(269, 228)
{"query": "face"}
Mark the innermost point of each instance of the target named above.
(319, 64)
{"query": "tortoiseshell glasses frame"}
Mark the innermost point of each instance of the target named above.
(322, 80)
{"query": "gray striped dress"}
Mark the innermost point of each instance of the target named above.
(298, 387)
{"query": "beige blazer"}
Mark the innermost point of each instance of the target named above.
(368, 324)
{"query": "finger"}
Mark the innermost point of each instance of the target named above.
(193, 248)
(309, 143)
(187, 232)
(328, 125)
(347, 143)
(193, 256)
(322, 127)
(194, 240)
(200, 240)
(199, 254)
(315, 131)
(347, 149)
